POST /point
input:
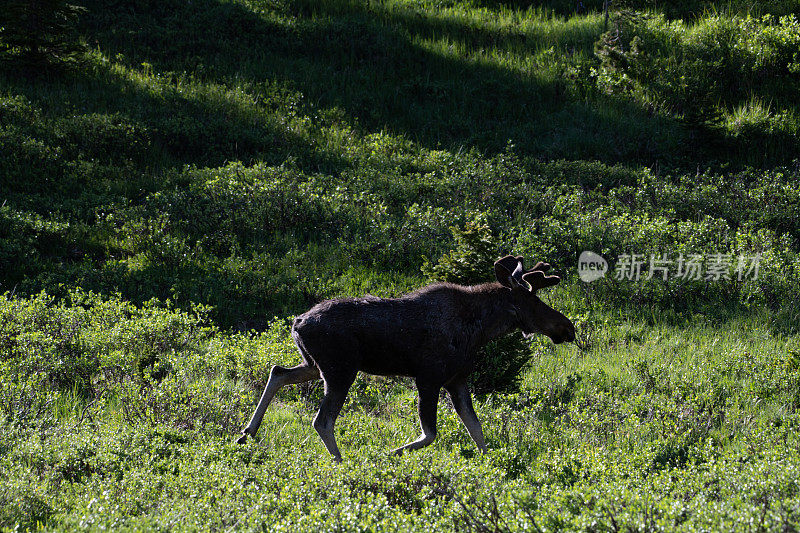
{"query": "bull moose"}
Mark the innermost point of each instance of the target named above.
(432, 335)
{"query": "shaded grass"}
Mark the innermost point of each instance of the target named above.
(449, 81)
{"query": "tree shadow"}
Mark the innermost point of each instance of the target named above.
(100, 135)
(105, 113)
(103, 139)
(397, 71)
(82, 150)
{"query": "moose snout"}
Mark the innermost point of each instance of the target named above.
(567, 334)
(570, 336)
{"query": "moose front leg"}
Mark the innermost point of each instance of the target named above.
(462, 402)
(428, 399)
(336, 388)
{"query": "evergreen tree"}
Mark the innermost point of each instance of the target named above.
(501, 362)
(37, 32)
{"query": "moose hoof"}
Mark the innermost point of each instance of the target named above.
(243, 438)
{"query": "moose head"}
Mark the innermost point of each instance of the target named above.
(533, 314)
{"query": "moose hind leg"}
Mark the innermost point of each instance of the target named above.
(335, 395)
(428, 400)
(462, 402)
(278, 377)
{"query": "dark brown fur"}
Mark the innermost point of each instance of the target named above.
(432, 335)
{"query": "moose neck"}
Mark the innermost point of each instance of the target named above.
(491, 311)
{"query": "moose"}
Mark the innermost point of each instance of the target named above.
(432, 335)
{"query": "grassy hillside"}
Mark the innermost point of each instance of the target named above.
(205, 170)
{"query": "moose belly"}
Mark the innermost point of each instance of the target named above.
(396, 355)
(408, 353)
(386, 363)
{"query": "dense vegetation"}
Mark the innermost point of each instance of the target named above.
(178, 179)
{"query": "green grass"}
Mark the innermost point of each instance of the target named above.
(207, 170)
(657, 425)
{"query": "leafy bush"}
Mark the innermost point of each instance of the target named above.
(472, 259)
(86, 345)
(713, 72)
(501, 365)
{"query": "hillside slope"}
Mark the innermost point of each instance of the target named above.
(206, 170)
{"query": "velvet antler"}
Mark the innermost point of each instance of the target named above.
(510, 271)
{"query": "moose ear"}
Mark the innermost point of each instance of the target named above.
(503, 268)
